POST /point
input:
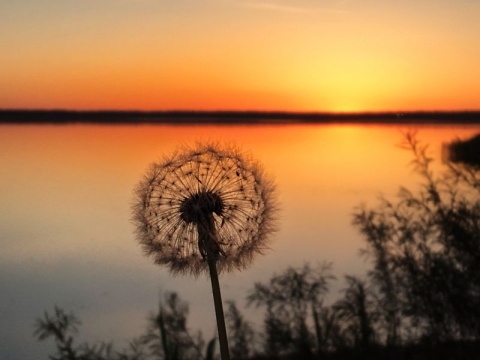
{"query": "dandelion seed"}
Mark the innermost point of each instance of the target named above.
(205, 224)
(197, 188)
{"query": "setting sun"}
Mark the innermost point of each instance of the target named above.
(238, 55)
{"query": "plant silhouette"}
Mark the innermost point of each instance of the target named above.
(426, 253)
(289, 298)
(203, 209)
(356, 311)
(167, 336)
(241, 333)
(464, 151)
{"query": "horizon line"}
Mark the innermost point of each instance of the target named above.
(26, 116)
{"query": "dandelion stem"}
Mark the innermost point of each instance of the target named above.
(217, 300)
(209, 248)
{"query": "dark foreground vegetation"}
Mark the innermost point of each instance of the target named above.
(420, 300)
(464, 151)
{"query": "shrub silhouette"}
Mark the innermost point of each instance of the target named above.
(242, 334)
(167, 337)
(426, 254)
(464, 151)
(290, 298)
(63, 328)
(356, 312)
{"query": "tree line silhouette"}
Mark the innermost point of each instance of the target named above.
(419, 300)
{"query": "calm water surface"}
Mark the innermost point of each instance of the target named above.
(67, 239)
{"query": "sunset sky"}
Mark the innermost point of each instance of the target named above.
(293, 55)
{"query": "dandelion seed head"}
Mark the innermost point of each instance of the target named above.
(206, 189)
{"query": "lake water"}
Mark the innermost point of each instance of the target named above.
(66, 237)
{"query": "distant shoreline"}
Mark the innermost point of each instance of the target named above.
(233, 117)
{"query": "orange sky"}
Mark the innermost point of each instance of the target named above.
(302, 55)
